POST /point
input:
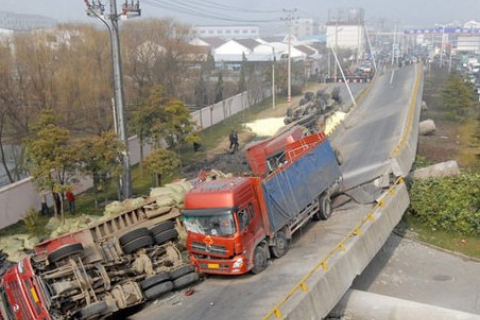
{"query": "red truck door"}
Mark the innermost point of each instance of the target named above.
(250, 227)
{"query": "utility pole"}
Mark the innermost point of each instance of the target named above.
(273, 78)
(289, 20)
(370, 46)
(394, 44)
(96, 9)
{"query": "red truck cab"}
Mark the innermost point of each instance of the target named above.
(22, 295)
(225, 224)
(235, 225)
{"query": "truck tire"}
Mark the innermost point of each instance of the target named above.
(158, 290)
(181, 271)
(132, 235)
(164, 226)
(138, 243)
(89, 311)
(165, 236)
(184, 281)
(156, 279)
(260, 259)
(280, 248)
(325, 210)
(65, 252)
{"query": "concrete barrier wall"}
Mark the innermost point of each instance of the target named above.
(17, 198)
(326, 287)
(220, 111)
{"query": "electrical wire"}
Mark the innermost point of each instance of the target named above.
(197, 11)
(212, 4)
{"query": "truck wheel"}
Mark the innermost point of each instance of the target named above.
(65, 252)
(184, 281)
(325, 210)
(132, 235)
(158, 290)
(181, 271)
(281, 245)
(164, 226)
(165, 236)
(94, 309)
(156, 279)
(138, 243)
(260, 260)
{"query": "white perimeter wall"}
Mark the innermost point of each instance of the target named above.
(18, 197)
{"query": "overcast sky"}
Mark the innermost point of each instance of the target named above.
(217, 12)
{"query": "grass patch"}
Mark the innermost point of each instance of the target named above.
(211, 136)
(468, 245)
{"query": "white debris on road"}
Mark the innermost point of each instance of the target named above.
(266, 127)
(269, 126)
(333, 121)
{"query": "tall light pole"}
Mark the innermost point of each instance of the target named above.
(443, 41)
(394, 44)
(289, 20)
(273, 78)
(96, 9)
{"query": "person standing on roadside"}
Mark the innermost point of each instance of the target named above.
(71, 201)
(235, 142)
(43, 199)
(231, 137)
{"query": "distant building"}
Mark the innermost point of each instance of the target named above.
(345, 30)
(227, 32)
(472, 25)
(303, 28)
(24, 22)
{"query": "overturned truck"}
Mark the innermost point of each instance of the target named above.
(115, 264)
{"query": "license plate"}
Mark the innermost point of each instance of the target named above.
(213, 266)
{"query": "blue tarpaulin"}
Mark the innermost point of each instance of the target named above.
(290, 190)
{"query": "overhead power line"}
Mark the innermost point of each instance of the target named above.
(197, 10)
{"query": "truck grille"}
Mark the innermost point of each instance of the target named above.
(221, 267)
(22, 305)
(213, 249)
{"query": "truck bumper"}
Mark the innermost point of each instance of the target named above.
(237, 265)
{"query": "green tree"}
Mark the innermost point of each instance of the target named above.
(143, 118)
(165, 119)
(53, 157)
(219, 88)
(201, 96)
(457, 96)
(175, 126)
(161, 163)
(242, 83)
(100, 159)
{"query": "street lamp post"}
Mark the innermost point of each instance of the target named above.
(97, 9)
(289, 20)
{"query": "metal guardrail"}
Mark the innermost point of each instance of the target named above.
(339, 248)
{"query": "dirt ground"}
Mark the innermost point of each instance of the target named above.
(451, 140)
(221, 158)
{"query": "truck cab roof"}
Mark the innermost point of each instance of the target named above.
(220, 193)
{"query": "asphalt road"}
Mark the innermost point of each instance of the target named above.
(375, 128)
(410, 270)
(252, 297)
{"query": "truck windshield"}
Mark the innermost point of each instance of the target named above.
(5, 309)
(222, 225)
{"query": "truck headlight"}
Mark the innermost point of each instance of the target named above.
(238, 263)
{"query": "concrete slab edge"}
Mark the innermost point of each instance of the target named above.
(326, 288)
